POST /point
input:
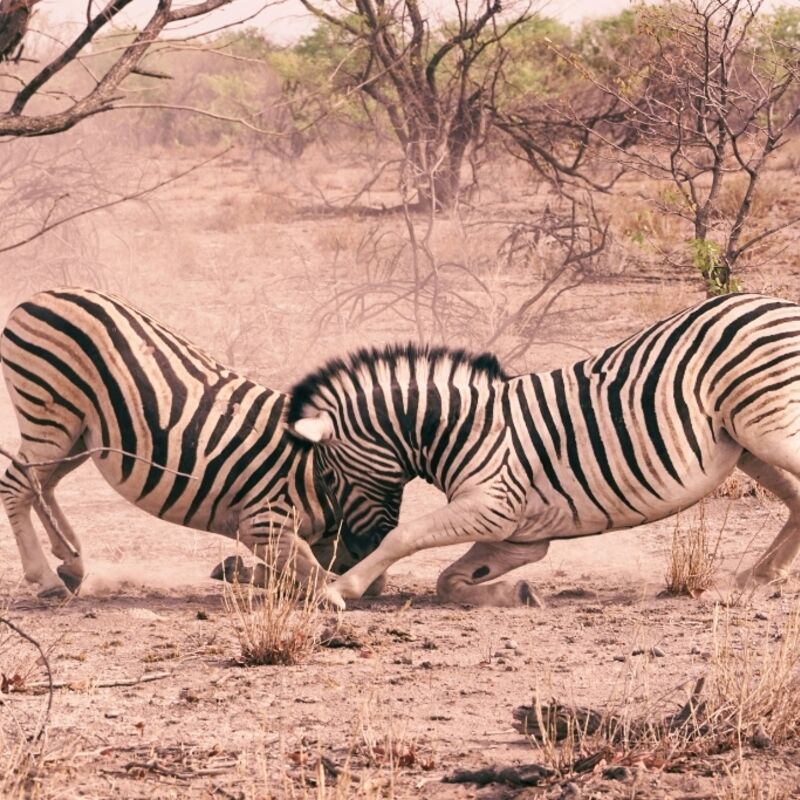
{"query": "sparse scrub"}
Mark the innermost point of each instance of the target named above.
(692, 558)
(746, 698)
(281, 621)
(746, 784)
(737, 486)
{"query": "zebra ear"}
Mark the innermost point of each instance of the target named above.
(313, 429)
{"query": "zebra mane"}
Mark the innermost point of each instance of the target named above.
(304, 391)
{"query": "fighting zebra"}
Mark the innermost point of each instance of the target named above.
(173, 431)
(641, 431)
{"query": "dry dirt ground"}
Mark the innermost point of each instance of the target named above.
(428, 689)
(434, 685)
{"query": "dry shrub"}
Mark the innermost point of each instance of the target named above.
(18, 766)
(377, 753)
(278, 622)
(753, 685)
(738, 486)
(750, 785)
(692, 560)
(732, 194)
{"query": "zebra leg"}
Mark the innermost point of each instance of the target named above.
(775, 562)
(18, 499)
(454, 524)
(333, 555)
(71, 570)
(485, 561)
(280, 548)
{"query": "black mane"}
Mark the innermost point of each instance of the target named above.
(305, 390)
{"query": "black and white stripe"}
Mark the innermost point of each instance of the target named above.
(646, 428)
(87, 372)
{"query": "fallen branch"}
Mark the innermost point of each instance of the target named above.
(147, 677)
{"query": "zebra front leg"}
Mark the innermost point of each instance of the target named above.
(454, 524)
(773, 566)
(280, 548)
(465, 580)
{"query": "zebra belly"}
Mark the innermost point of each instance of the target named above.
(550, 515)
(225, 521)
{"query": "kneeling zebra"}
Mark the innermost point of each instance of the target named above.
(647, 428)
(173, 431)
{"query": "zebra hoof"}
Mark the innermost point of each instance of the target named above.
(232, 570)
(376, 587)
(71, 580)
(751, 579)
(527, 596)
(54, 593)
(331, 597)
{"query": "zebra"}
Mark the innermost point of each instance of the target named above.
(174, 432)
(643, 430)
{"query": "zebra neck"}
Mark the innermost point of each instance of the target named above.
(445, 430)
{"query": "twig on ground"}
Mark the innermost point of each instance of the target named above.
(48, 684)
(147, 677)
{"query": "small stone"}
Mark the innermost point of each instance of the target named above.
(511, 645)
(619, 657)
(90, 615)
(202, 616)
(657, 652)
(113, 714)
(426, 665)
(637, 651)
(761, 739)
(429, 644)
(762, 615)
(695, 651)
(617, 773)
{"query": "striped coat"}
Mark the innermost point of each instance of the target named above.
(173, 431)
(645, 429)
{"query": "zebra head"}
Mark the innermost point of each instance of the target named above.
(358, 450)
(377, 420)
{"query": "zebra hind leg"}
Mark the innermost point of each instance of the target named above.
(465, 581)
(773, 566)
(18, 499)
(71, 570)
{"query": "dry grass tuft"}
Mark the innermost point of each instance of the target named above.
(17, 768)
(278, 622)
(692, 560)
(753, 682)
(750, 785)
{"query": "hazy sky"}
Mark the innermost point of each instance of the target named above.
(286, 19)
